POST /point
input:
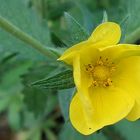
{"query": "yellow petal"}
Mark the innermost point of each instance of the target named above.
(81, 77)
(77, 71)
(82, 81)
(90, 56)
(135, 112)
(108, 107)
(120, 51)
(129, 79)
(107, 33)
(69, 54)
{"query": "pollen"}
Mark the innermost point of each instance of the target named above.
(101, 72)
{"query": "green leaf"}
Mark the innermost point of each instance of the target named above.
(50, 135)
(121, 9)
(133, 32)
(28, 22)
(62, 80)
(28, 118)
(65, 97)
(14, 110)
(34, 134)
(118, 10)
(105, 17)
(83, 14)
(56, 11)
(14, 84)
(68, 132)
(123, 130)
(124, 25)
(4, 103)
(37, 100)
(77, 32)
(128, 130)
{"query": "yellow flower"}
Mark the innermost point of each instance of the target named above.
(107, 78)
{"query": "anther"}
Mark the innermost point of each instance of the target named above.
(100, 62)
(112, 69)
(90, 66)
(106, 84)
(101, 72)
(95, 83)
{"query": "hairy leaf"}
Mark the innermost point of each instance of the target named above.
(62, 80)
(77, 32)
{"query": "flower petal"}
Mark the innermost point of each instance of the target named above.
(129, 79)
(82, 80)
(120, 51)
(83, 58)
(107, 33)
(68, 55)
(108, 107)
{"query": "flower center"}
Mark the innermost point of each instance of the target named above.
(101, 72)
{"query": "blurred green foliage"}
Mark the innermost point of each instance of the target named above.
(37, 113)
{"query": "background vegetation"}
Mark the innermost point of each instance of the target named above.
(41, 112)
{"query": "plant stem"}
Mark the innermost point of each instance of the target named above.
(9, 27)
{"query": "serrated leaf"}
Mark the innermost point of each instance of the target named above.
(62, 80)
(37, 100)
(77, 32)
(11, 80)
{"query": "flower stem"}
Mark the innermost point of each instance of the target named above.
(15, 31)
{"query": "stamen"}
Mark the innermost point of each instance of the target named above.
(89, 68)
(107, 83)
(101, 72)
(106, 59)
(95, 83)
(99, 62)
